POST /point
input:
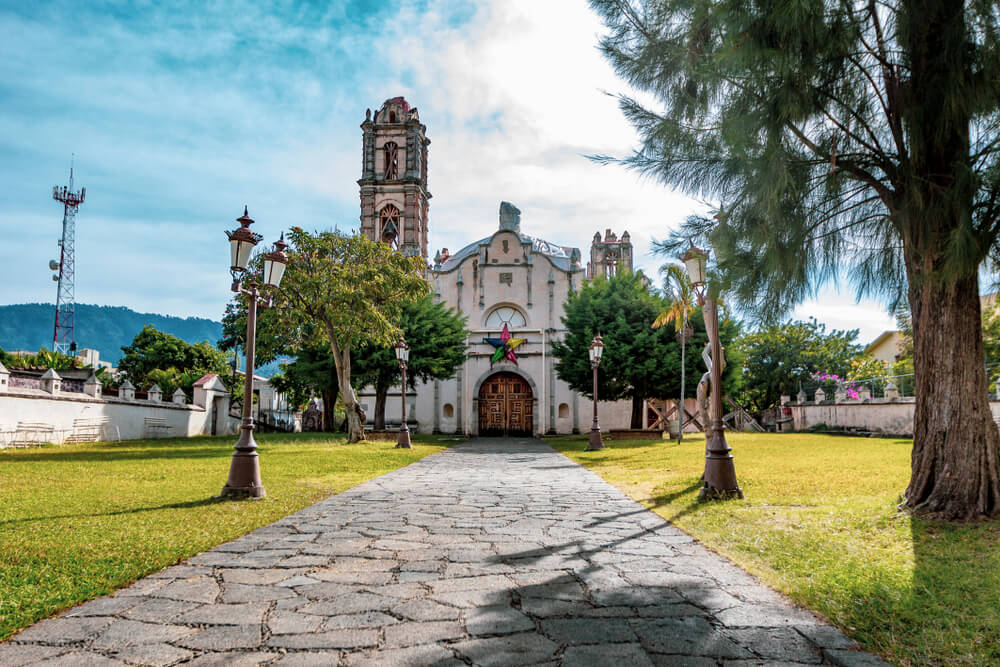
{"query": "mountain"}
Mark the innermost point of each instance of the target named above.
(28, 326)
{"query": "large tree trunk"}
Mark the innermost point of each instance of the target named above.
(638, 404)
(355, 415)
(956, 445)
(381, 393)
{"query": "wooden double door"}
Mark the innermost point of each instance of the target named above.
(505, 406)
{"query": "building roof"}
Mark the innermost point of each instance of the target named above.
(205, 379)
(559, 255)
(881, 338)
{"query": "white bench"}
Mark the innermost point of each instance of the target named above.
(156, 427)
(33, 433)
(87, 429)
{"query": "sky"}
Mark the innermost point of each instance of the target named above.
(179, 116)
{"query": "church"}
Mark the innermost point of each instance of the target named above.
(511, 286)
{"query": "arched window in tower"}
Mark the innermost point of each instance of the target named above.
(512, 317)
(391, 154)
(389, 224)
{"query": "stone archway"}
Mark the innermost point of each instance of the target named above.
(506, 403)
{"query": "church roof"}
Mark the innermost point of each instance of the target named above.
(559, 255)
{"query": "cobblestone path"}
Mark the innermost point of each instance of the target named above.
(494, 552)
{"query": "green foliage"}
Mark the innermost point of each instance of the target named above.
(819, 127)
(820, 524)
(436, 336)
(345, 291)
(78, 522)
(27, 326)
(155, 357)
(351, 289)
(45, 358)
(782, 358)
(639, 361)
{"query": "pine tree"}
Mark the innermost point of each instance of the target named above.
(849, 139)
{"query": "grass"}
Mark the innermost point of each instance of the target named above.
(819, 523)
(79, 521)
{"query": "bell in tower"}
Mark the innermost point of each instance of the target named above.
(394, 196)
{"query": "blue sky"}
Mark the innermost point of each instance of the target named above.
(180, 114)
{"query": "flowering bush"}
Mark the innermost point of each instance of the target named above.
(829, 382)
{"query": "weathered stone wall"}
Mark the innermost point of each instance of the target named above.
(891, 417)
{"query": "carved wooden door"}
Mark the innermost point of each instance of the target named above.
(505, 406)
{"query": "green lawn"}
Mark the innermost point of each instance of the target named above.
(80, 521)
(819, 523)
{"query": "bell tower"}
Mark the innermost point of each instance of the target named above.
(394, 196)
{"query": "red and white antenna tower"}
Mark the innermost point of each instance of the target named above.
(62, 339)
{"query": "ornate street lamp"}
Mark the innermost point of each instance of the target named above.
(244, 471)
(596, 350)
(720, 472)
(403, 356)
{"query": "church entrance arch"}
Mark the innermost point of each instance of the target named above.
(505, 406)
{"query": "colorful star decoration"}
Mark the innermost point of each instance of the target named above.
(504, 346)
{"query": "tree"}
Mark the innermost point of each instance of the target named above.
(781, 358)
(351, 290)
(312, 372)
(436, 336)
(680, 297)
(155, 357)
(855, 136)
(639, 361)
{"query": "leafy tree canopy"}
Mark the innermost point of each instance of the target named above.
(350, 290)
(639, 361)
(782, 358)
(436, 336)
(155, 357)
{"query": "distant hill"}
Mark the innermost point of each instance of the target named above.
(28, 326)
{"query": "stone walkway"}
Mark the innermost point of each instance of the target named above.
(494, 552)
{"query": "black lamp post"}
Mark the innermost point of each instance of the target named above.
(403, 356)
(596, 350)
(720, 472)
(244, 471)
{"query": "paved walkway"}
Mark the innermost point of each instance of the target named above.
(495, 552)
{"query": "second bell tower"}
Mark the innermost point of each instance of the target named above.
(394, 196)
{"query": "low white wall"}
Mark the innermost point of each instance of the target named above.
(126, 419)
(878, 415)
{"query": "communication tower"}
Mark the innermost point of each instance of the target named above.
(62, 338)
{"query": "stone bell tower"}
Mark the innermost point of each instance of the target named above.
(609, 256)
(394, 196)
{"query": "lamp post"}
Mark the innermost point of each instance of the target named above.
(403, 356)
(244, 470)
(596, 350)
(720, 472)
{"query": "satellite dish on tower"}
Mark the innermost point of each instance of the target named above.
(53, 264)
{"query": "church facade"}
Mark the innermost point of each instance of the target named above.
(511, 287)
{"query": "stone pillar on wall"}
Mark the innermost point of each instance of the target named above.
(891, 391)
(839, 395)
(155, 394)
(802, 396)
(4, 379)
(51, 382)
(92, 387)
(179, 397)
(126, 391)
(820, 396)
(864, 394)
